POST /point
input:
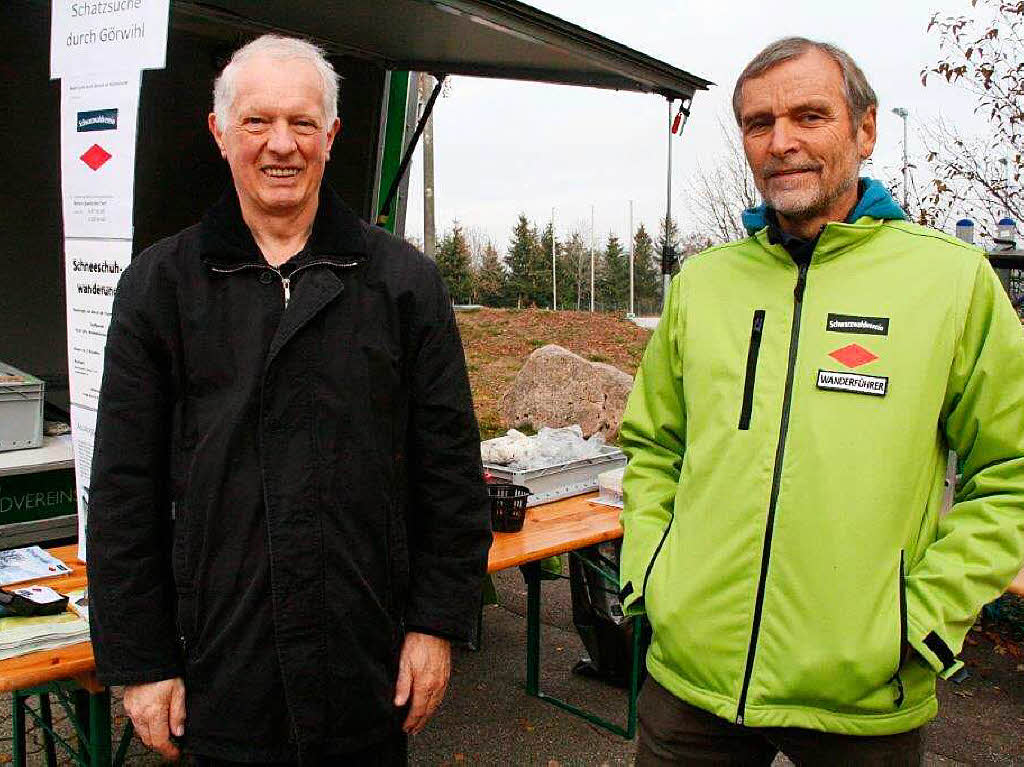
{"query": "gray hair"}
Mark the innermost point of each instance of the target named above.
(280, 48)
(859, 94)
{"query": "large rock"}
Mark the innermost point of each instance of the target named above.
(558, 388)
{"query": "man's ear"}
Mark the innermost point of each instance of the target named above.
(867, 133)
(217, 134)
(332, 133)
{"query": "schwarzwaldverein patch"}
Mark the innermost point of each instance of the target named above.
(855, 383)
(851, 323)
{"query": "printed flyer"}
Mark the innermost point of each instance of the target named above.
(98, 121)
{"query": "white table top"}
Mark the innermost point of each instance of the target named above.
(56, 453)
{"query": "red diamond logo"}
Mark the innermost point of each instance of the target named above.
(95, 156)
(853, 356)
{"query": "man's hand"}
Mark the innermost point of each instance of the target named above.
(157, 710)
(423, 671)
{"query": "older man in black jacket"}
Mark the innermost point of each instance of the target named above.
(288, 521)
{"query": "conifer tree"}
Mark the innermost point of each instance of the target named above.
(453, 264)
(521, 262)
(646, 272)
(490, 279)
(613, 276)
(542, 266)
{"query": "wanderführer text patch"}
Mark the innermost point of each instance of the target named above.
(857, 383)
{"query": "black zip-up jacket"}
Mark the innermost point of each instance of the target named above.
(280, 492)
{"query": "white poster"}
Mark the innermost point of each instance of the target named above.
(98, 120)
(83, 432)
(92, 269)
(90, 36)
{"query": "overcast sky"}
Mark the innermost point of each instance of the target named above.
(503, 147)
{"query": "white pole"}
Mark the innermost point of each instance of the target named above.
(666, 279)
(632, 308)
(591, 258)
(554, 271)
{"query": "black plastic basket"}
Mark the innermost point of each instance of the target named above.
(508, 507)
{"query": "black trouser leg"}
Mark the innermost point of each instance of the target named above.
(675, 733)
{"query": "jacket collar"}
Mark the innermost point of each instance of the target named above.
(874, 201)
(874, 206)
(337, 235)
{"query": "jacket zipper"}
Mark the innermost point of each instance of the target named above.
(780, 450)
(286, 282)
(896, 679)
(753, 350)
(654, 557)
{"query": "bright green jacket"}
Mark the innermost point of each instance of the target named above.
(787, 453)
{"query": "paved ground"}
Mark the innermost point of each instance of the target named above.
(488, 720)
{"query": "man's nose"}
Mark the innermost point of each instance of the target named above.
(784, 139)
(281, 141)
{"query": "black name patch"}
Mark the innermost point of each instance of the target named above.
(857, 383)
(849, 323)
(97, 119)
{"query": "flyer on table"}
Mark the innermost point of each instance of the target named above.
(98, 121)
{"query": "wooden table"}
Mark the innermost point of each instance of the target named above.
(555, 528)
(560, 527)
(69, 673)
(73, 662)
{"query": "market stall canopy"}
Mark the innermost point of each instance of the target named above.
(481, 38)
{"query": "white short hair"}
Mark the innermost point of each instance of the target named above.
(281, 48)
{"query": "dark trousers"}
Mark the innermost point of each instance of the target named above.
(390, 753)
(673, 732)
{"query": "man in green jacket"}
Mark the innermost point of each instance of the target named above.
(787, 437)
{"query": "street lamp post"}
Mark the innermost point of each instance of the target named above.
(903, 114)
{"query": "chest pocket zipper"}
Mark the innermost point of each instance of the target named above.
(756, 330)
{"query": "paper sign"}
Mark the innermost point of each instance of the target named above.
(83, 432)
(91, 271)
(98, 120)
(90, 36)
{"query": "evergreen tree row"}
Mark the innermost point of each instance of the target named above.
(522, 277)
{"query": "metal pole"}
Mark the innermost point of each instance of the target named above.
(429, 234)
(666, 279)
(903, 114)
(554, 271)
(632, 242)
(906, 165)
(1005, 162)
(591, 258)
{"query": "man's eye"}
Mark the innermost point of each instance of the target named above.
(812, 118)
(253, 121)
